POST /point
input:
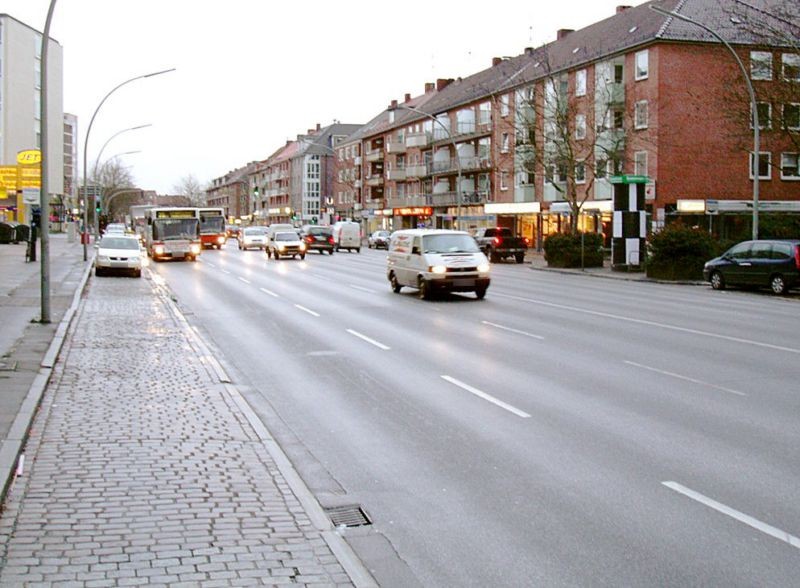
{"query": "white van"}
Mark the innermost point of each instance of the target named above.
(434, 260)
(347, 235)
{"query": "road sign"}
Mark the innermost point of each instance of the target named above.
(630, 179)
(30, 195)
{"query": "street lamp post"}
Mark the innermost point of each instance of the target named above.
(756, 158)
(112, 137)
(455, 148)
(86, 146)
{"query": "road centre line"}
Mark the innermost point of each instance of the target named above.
(308, 310)
(739, 516)
(270, 292)
(686, 378)
(224, 271)
(361, 288)
(368, 340)
(649, 323)
(487, 397)
(208, 263)
(243, 279)
(517, 331)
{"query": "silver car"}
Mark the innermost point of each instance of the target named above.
(118, 253)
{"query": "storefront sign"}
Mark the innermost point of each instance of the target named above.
(512, 208)
(29, 157)
(413, 211)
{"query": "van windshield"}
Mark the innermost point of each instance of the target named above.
(449, 244)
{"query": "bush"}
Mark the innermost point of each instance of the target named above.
(562, 250)
(678, 253)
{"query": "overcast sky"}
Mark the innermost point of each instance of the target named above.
(251, 74)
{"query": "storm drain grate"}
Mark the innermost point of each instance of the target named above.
(348, 516)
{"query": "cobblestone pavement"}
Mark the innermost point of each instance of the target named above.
(141, 469)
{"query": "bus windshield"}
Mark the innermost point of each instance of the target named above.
(165, 229)
(212, 224)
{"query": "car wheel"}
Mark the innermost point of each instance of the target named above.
(97, 271)
(302, 256)
(396, 287)
(358, 249)
(493, 257)
(717, 281)
(424, 288)
(519, 257)
(778, 284)
(137, 274)
(480, 293)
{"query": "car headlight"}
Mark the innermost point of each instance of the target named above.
(484, 268)
(302, 246)
(103, 258)
(281, 247)
(194, 248)
(159, 249)
(437, 269)
(134, 259)
(220, 239)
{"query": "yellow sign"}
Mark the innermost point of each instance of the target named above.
(30, 177)
(29, 157)
(8, 177)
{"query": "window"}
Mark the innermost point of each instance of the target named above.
(642, 65)
(485, 113)
(764, 115)
(791, 67)
(790, 166)
(640, 163)
(580, 173)
(504, 108)
(580, 126)
(503, 180)
(640, 115)
(580, 82)
(505, 143)
(761, 65)
(791, 116)
(764, 166)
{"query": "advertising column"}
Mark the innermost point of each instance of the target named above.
(629, 223)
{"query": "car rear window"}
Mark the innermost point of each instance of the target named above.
(782, 251)
(119, 243)
(320, 231)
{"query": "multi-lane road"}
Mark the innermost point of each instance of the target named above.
(564, 431)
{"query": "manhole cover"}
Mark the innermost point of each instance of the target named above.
(348, 516)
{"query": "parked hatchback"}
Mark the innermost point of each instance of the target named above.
(773, 264)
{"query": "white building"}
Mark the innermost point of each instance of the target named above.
(20, 85)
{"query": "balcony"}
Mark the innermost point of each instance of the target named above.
(357, 183)
(374, 180)
(395, 147)
(418, 140)
(375, 155)
(613, 93)
(467, 198)
(407, 201)
(357, 160)
(468, 164)
(396, 175)
(416, 171)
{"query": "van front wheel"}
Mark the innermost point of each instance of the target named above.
(396, 287)
(424, 288)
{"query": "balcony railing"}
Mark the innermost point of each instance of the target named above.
(451, 198)
(416, 171)
(375, 155)
(396, 175)
(374, 180)
(418, 140)
(395, 147)
(468, 164)
(405, 201)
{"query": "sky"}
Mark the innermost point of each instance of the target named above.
(251, 74)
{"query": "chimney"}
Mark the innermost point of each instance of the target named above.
(429, 87)
(529, 51)
(407, 98)
(496, 61)
(442, 83)
(318, 127)
(622, 9)
(393, 105)
(561, 33)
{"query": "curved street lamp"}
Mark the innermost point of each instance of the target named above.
(86, 146)
(455, 148)
(756, 158)
(112, 137)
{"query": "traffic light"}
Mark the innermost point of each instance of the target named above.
(255, 191)
(313, 220)
(98, 208)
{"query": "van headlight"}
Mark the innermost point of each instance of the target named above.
(281, 247)
(484, 268)
(302, 246)
(158, 249)
(194, 248)
(437, 269)
(220, 239)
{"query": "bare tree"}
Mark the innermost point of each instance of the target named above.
(190, 187)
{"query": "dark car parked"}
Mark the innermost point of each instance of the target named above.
(318, 238)
(773, 264)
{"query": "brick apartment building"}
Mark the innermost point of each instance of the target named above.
(233, 192)
(531, 140)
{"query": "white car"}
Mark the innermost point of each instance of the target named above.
(286, 243)
(115, 228)
(253, 237)
(118, 253)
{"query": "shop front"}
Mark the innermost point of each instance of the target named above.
(595, 217)
(412, 217)
(521, 217)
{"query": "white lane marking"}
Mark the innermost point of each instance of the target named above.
(518, 332)
(368, 340)
(739, 516)
(308, 310)
(244, 280)
(649, 323)
(225, 271)
(362, 288)
(686, 378)
(488, 397)
(270, 292)
(208, 263)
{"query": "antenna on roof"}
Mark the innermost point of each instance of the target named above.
(530, 35)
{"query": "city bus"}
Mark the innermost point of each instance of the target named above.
(172, 233)
(212, 227)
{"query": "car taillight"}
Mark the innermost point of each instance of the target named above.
(330, 239)
(497, 240)
(526, 241)
(309, 239)
(797, 256)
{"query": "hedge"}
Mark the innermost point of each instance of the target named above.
(679, 253)
(563, 250)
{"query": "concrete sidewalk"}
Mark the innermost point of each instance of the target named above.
(144, 466)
